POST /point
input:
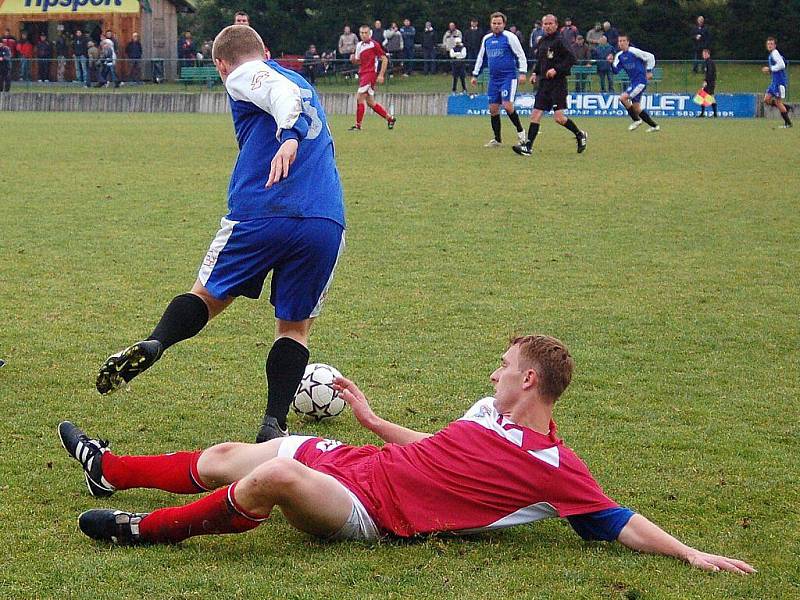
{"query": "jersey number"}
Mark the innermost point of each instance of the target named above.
(316, 123)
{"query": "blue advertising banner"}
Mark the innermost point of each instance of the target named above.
(730, 106)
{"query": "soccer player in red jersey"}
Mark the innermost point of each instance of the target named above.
(368, 53)
(499, 465)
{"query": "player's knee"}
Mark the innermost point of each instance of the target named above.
(214, 462)
(560, 119)
(279, 476)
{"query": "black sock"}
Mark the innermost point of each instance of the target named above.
(570, 124)
(714, 108)
(514, 118)
(786, 118)
(533, 131)
(632, 113)
(702, 111)
(183, 318)
(286, 363)
(646, 118)
(496, 127)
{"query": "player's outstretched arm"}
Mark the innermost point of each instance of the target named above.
(642, 535)
(386, 430)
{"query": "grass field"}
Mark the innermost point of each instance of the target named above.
(678, 77)
(668, 263)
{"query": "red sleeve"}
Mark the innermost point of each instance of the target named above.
(379, 51)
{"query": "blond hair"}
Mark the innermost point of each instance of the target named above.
(551, 360)
(236, 42)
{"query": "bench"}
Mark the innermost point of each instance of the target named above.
(207, 75)
(581, 77)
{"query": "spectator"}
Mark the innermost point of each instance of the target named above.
(93, 58)
(409, 32)
(701, 39)
(604, 73)
(449, 37)
(241, 18)
(393, 41)
(79, 48)
(187, 50)
(457, 64)
(110, 36)
(429, 48)
(536, 34)
(43, 56)
(568, 33)
(583, 58)
(25, 53)
(472, 40)
(347, 43)
(5, 66)
(593, 36)
(377, 32)
(11, 43)
(108, 64)
(612, 35)
(310, 61)
(61, 56)
(517, 32)
(206, 50)
(133, 51)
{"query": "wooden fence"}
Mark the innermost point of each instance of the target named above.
(204, 102)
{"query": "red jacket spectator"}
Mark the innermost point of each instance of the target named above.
(10, 41)
(25, 48)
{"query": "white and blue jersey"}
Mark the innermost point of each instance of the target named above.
(294, 228)
(271, 104)
(505, 58)
(636, 63)
(777, 67)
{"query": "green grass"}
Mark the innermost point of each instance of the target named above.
(667, 263)
(678, 77)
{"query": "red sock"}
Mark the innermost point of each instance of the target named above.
(216, 513)
(381, 111)
(176, 472)
(360, 110)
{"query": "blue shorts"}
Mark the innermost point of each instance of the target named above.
(777, 90)
(301, 253)
(635, 92)
(502, 90)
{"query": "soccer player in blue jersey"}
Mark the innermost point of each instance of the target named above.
(508, 67)
(776, 91)
(285, 215)
(639, 65)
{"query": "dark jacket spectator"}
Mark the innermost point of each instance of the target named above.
(429, 48)
(612, 35)
(568, 33)
(377, 32)
(472, 39)
(10, 42)
(536, 34)
(79, 46)
(409, 33)
(134, 49)
(43, 55)
(701, 38)
(5, 66)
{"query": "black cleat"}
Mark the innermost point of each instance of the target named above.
(522, 149)
(270, 429)
(120, 368)
(109, 525)
(390, 122)
(355, 128)
(88, 452)
(581, 140)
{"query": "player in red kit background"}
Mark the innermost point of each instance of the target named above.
(368, 53)
(499, 465)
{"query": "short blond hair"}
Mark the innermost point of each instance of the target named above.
(236, 42)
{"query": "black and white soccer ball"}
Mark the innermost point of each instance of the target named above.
(315, 399)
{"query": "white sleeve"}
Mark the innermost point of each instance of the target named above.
(615, 64)
(479, 59)
(359, 48)
(779, 65)
(649, 59)
(269, 90)
(516, 48)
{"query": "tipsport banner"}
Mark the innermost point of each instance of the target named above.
(37, 7)
(729, 106)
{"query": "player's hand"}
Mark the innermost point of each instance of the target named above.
(381, 78)
(279, 167)
(714, 562)
(473, 82)
(533, 79)
(649, 75)
(550, 73)
(765, 69)
(610, 58)
(522, 78)
(356, 399)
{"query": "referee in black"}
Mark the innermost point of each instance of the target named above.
(710, 83)
(553, 63)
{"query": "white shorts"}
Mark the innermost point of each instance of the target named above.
(366, 89)
(359, 525)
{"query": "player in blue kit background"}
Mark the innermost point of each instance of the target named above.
(639, 65)
(508, 67)
(776, 91)
(285, 215)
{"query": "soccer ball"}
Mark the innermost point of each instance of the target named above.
(315, 399)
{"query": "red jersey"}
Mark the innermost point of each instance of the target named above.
(368, 53)
(480, 472)
(25, 49)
